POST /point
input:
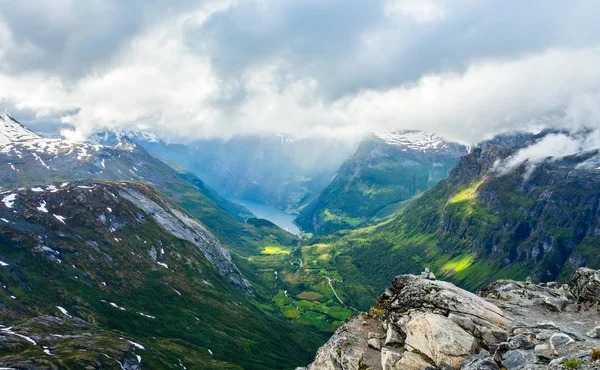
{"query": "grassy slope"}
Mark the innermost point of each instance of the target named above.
(375, 177)
(207, 313)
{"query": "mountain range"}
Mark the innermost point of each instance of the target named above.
(99, 249)
(113, 258)
(278, 170)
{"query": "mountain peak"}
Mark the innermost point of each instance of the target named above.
(12, 131)
(413, 139)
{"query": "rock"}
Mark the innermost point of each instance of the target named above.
(556, 304)
(517, 359)
(412, 361)
(413, 292)
(479, 328)
(425, 323)
(375, 335)
(481, 361)
(348, 347)
(594, 333)
(427, 274)
(374, 343)
(389, 358)
(393, 337)
(586, 285)
(522, 341)
(440, 339)
(559, 340)
(542, 350)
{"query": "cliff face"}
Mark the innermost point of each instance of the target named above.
(486, 222)
(421, 323)
(546, 216)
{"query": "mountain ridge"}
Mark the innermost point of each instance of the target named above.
(386, 169)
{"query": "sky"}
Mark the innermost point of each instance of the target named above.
(465, 69)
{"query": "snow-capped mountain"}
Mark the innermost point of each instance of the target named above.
(420, 141)
(27, 159)
(113, 137)
(387, 168)
(16, 141)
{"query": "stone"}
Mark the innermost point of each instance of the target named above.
(541, 349)
(586, 285)
(412, 361)
(389, 358)
(559, 340)
(375, 335)
(556, 304)
(594, 333)
(393, 337)
(440, 339)
(417, 293)
(517, 359)
(427, 274)
(432, 324)
(481, 361)
(521, 341)
(374, 343)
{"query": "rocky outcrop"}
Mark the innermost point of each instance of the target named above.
(586, 285)
(420, 323)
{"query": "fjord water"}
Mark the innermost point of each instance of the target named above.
(275, 215)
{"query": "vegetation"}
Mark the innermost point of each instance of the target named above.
(371, 185)
(188, 307)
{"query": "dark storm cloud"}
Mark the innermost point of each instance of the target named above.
(72, 38)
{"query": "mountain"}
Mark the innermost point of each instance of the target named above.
(423, 323)
(111, 274)
(487, 221)
(386, 169)
(27, 159)
(278, 170)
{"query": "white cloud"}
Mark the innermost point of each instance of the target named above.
(489, 97)
(550, 147)
(445, 72)
(420, 10)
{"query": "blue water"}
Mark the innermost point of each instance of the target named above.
(276, 216)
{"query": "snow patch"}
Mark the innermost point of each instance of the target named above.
(60, 218)
(9, 200)
(65, 312)
(146, 315)
(9, 331)
(42, 207)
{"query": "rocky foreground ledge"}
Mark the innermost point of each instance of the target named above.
(422, 323)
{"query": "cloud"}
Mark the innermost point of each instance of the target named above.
(550, 147)
(464, 69)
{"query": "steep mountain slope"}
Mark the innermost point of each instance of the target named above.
(273, 169)
(27, 159)
(114, 275)
(487, 222)
(387, 168)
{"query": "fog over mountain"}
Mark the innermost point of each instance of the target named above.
(465, 70)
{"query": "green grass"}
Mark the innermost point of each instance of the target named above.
(275, 249)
